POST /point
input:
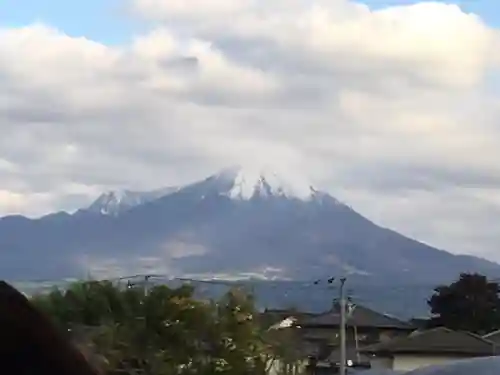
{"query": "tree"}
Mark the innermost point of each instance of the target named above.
(241, 346)
(471, 303)
(164, 332)
(284, 351)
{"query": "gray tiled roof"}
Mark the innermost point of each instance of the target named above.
(361, 317)
(437, 340)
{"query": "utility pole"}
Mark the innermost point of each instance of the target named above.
(343, 359)
(146, 284)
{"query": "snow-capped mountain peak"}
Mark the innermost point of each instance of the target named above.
(246, 183)
(115, 202)
(105, 202)
(236, 183)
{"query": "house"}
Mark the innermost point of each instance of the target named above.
(320, 334)
(423, 348)
(363, 326)
(354, 358)
(476, 366)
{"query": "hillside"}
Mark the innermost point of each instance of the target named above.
(237, 222)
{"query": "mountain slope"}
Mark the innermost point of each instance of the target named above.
(115, 203)
(236, 221)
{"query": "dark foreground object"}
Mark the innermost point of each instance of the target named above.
(30, 344)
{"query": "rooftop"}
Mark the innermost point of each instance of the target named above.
(493, 336)
(437, 340)
(359, 316)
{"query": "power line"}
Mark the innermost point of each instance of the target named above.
(291, 291)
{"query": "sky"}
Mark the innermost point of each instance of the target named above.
(391, 106)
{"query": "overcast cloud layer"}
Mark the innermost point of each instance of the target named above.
(394, 111)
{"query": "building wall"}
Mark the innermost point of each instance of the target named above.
(410, 362)
(382, 362)
(385, 335)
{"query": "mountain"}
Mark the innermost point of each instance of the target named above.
(115, 203)
(237, 223)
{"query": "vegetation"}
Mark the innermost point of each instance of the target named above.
(471, 303)
(167, 331)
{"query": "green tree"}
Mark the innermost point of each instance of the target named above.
(240, 346)
(284, 351)
(471, 303)
(164, 332)
(85, 303)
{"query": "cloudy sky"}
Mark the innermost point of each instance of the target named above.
(391, 106)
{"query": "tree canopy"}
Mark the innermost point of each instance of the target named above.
(165, 331)
(471, 303)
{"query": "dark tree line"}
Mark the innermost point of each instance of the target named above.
(471, 303)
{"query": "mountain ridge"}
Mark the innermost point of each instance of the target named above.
(237, 182)
(268, 227)
(118, 201)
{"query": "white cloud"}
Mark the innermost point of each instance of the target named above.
(193, 9)
(393, 110)
(435, 42)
